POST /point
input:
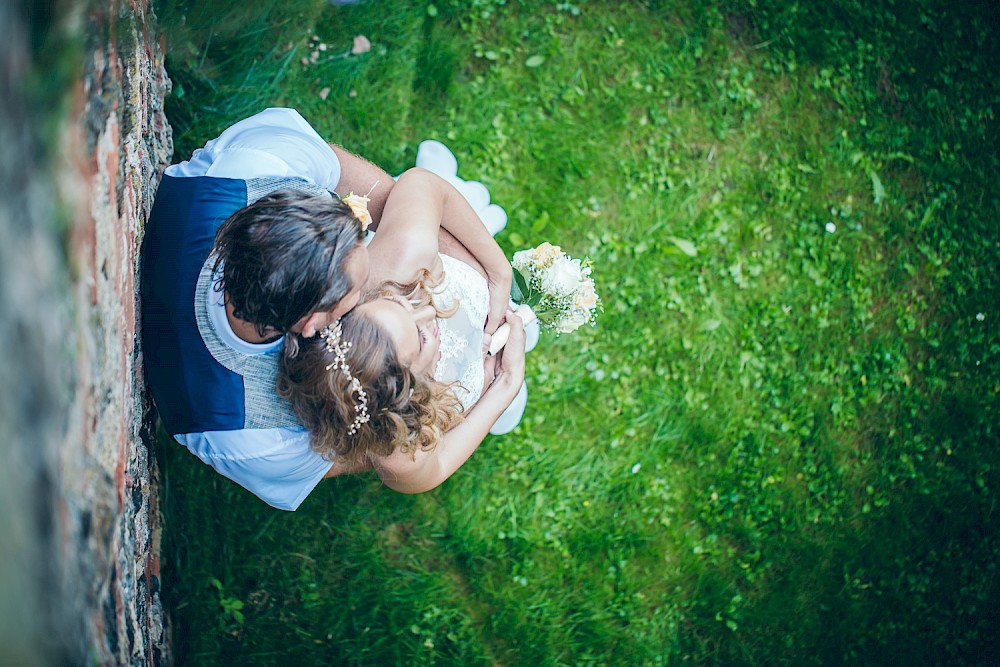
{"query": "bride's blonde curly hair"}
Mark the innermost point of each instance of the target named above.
(407, 411)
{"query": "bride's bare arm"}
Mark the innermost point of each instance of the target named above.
(431, 467)
(466, 228)
(421, 205)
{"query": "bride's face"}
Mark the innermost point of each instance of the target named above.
(414, 331)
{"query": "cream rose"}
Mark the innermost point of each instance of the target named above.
(545, 253)
(586, 298)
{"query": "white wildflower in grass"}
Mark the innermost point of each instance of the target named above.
(635, 468)
(552, 287)
(980, 317)
(830, 228)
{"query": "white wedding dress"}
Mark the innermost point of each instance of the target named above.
(462, 333)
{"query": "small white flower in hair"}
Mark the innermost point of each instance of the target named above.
(332, 336)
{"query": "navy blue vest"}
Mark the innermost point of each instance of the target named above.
(192, 391)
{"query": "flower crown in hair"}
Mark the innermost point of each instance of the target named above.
(359, 207)
(332, 336)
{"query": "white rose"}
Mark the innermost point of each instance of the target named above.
(572, 321)
(522, 259)
(563, 277)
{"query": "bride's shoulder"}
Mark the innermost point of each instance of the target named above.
(402, 257)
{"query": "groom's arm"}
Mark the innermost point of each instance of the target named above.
(361, 177)
(449, 245)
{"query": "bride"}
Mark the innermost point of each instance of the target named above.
(401, 383)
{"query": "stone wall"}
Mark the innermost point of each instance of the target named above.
(78, 514)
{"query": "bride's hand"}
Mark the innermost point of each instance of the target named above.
(489, 362)
(509, 369)
(499, 280)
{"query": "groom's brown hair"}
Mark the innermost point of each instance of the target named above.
(283, 256)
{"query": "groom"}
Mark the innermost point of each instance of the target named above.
(289, 258)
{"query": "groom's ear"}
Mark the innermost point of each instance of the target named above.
(310, 324)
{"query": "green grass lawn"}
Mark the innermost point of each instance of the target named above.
(779, 445)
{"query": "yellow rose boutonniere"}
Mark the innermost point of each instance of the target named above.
(359, 206)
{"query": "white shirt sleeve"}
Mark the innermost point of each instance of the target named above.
(277, 465)
(275, 142)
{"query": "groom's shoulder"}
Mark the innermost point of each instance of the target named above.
(188, 204)
(177, 189)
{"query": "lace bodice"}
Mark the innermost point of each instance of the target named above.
(462, 333)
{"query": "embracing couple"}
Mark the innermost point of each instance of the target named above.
(284, 345)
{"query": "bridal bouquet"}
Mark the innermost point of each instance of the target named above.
(552, 287)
